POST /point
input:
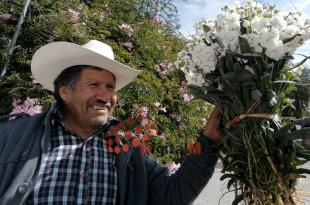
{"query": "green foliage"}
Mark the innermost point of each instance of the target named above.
(79, 21)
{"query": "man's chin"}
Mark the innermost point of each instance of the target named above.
(99, 121)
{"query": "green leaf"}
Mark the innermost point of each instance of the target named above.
(303, 171)
(241, 76)
(303, 154)
(229, 62)
(237, 67)
(206, 28)
(230, 183)
(244, 45)
(232, 176)
(298, 134)
(286, 40)
(301, 62)
(240, 197)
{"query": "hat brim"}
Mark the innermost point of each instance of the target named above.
(50, 60)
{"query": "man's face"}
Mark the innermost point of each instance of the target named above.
(90, 102)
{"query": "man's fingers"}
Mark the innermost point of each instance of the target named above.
(215, 117)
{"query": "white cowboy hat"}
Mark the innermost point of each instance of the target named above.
(50, 60)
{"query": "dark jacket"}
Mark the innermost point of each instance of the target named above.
(24, 143)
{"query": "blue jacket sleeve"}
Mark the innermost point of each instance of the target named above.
(186, 184)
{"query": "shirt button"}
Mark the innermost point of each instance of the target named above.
(23, 188)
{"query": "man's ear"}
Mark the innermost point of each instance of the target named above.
(64, 93)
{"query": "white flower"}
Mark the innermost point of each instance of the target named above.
(230, 39)
(252, 39)
(246, 23)
(255, 23)
(204, 56)
(194, 78)
(275, 51)
(278, 22)
(290, 31)
(269, 38)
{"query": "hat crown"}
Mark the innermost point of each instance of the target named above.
(100, 48)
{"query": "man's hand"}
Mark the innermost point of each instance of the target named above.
(213, 130)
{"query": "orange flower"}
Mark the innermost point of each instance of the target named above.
(118, 139)
(110, 149)
(117, 150)
(138, 129)
(194, 148)
(190, 148)
(110, 142)
(120, 127)
(129, 121)
(128, 134)
(145, 137)
(143, 151)
(125, 148)
(135, 142)
(140, 117)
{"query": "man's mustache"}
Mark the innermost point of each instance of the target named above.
(103, 103)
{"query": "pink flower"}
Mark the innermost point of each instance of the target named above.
(156, 19)
(164, 67)
(183, 93)
(75, 15)
(6, 17)
(187, 97)
(162, 136)
(126, 28)
(140, 23)
(141, 110)
(173, 167)
(129, 46)
(153, 132)
(176, 117)
(29, 106)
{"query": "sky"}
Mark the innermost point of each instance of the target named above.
(192, 11)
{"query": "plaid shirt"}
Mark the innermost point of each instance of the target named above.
(76, 171)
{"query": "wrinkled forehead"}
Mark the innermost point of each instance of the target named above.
(86, 67)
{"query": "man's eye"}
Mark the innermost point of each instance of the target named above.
(93, 84)
(112, 87)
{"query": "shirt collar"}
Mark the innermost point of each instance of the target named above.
(57, 120)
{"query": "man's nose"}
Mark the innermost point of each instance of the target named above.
(103, 93)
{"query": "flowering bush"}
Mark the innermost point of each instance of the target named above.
(142, 34)
(240, 63)
(29, 106)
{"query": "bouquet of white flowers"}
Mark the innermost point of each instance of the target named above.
(241, 63)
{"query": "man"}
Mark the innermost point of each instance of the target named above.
(60, 157)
